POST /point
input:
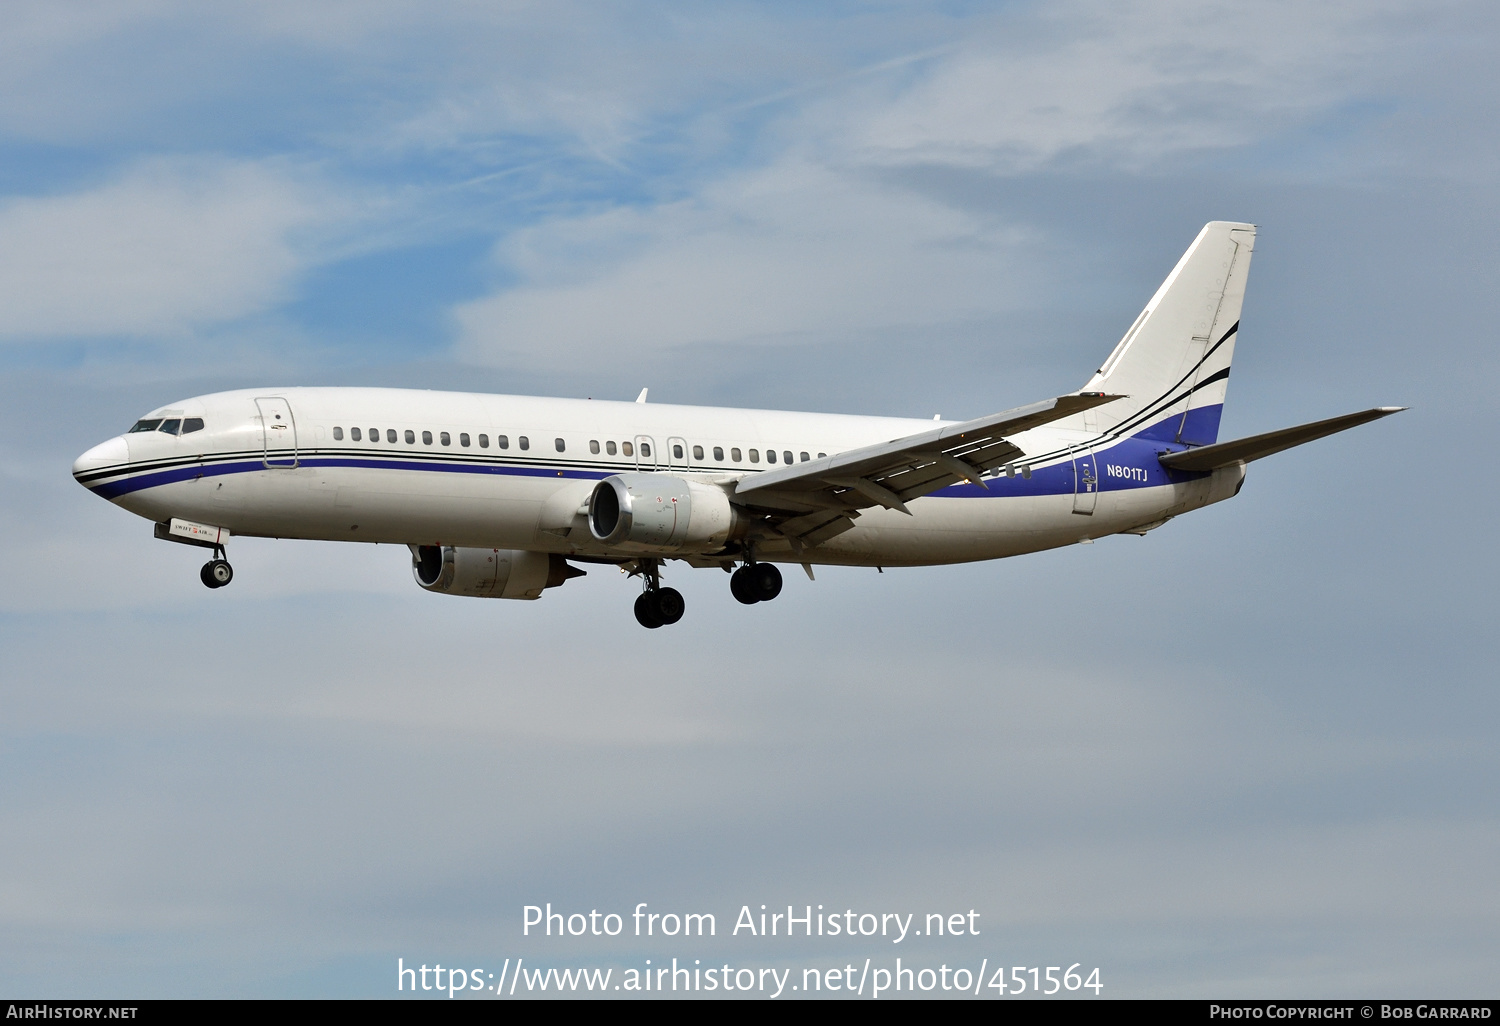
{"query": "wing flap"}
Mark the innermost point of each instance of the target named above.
(1222, 454)
(814, 529)
(890, 474)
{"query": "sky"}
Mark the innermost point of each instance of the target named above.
(1249, 755)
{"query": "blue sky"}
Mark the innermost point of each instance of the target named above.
(1249, 755)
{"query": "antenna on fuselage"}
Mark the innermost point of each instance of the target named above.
(642, 397)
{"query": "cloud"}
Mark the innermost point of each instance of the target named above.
(1133, 84)
(793, 250)
(169, 247)
(719, 224)
(832, 237)
(392, 75)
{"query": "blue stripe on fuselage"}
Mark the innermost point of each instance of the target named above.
(1200, 426)
(1129, 463)
(115, 489)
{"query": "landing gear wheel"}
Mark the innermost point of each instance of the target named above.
(669, 604)
(216, 573)
(659, 607)
(741, 586)
(765, 581)
(646, 612)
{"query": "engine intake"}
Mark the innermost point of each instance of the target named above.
(488, 573)
(659, 513)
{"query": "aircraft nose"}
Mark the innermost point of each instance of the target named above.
(112, 453)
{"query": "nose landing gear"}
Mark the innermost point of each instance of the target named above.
(658, 606)
(216, 572)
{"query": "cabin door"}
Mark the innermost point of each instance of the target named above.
(278, 432)
(1085, 481)
(645, 453)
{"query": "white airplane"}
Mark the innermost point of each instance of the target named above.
(498, 496)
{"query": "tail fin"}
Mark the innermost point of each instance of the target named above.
(1173, 363)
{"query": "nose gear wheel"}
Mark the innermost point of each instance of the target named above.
(216, 573)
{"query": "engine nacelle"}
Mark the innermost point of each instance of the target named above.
(488, 573)
(660, 513)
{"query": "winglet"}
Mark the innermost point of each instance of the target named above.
(642, 397)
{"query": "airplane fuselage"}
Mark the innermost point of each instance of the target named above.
(514, 472)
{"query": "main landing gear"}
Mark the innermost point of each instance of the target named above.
(216, 572)
(755, 582)
(657, 606)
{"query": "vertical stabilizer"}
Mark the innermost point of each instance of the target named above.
(1173, 363)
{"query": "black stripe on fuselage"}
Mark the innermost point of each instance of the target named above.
(427, 459)
(1161, 403)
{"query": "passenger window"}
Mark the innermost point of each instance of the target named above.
(719, 453)
(411, 437)
(770, 455)
(484, 441)
(594, 446)
(786, 456)
(697, 452)
(426, 437)
(561, 445)
(463, 439)
(627, 448)
(609, 447)
(192, 424)
(501, 441)
(354, 434)
(734, 454)
(821, 455)
(338, 434)
(374, 434)
(445, 438)
(645, 448)
(524, 442)
(390, 434)
(677, 452)
(804, 457)
(170, 427)
(754, 455)
(145, 425)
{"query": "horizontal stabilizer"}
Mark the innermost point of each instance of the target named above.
(1243, 450)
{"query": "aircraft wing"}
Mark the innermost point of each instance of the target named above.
(810, 502)
(1222, 454)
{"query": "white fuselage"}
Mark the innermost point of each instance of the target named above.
(430, 468)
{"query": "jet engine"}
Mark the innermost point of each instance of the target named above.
(659, 513)
(488, 573)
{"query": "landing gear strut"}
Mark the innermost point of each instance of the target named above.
(755, 582)
(216, 572)
(657, 606)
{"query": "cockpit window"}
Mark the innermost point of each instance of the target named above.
(171, 426)
(192, 424)
(145, 425)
